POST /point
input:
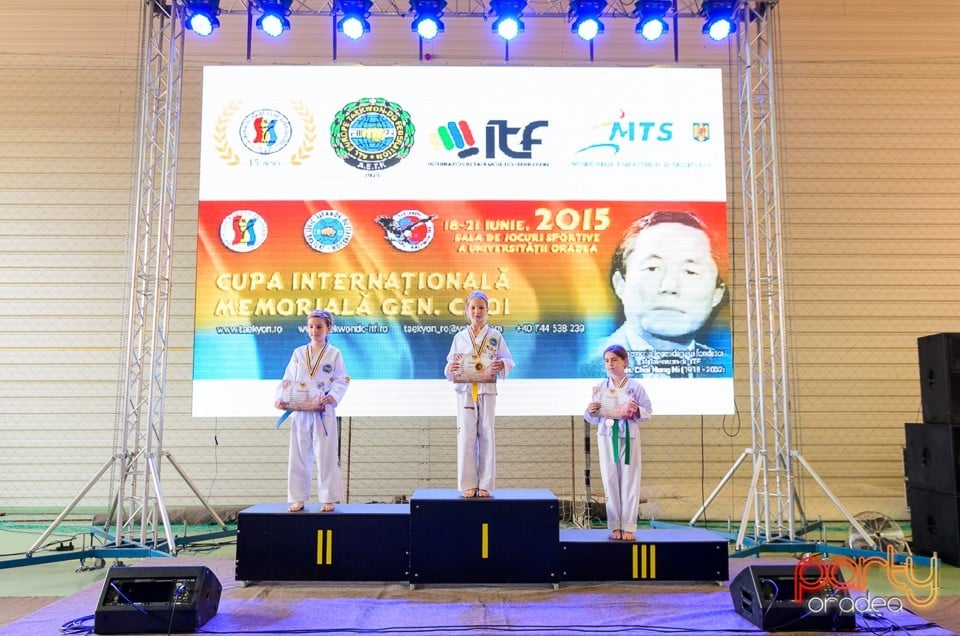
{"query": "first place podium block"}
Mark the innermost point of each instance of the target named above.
(510, 537)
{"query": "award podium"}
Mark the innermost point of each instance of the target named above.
(511, 537)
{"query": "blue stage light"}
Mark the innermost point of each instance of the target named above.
(354, 22)
(508, 24)
(426, 22)
(651, 18)
(273, 18)
(719, 19)
(585, 15)
(201, 16)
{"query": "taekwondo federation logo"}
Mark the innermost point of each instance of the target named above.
(372, 133)
(243, 231)
(701, 131)
(408, 230)
(328, 231)
(265, 131)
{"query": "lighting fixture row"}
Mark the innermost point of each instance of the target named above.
(720, 17)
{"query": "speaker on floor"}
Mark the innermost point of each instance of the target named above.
(935, 522)
(156, 600)
(939, 356)
(766, 595)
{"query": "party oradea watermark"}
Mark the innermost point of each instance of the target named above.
(824, 585)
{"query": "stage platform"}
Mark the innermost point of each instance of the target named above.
(440, 537)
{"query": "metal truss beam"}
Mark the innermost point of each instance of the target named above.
(137, 505)
(777, 512)
(555, 8)
(772, 488)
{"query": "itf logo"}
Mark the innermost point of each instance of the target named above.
(499, 138)
(456, 135)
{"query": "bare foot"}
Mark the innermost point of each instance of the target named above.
(628, 536)
(469, 492)
(616, 535)
(327, 507)
(296, 506)
(482, 493)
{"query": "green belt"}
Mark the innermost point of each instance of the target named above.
(616, 443)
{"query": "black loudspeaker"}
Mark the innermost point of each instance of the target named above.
(935, 523)
(940, 377)
(156, 600)
(932, 457)
(766, 595)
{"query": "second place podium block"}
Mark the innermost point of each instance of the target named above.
(356, 542)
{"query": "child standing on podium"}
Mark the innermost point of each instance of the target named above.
(478, 356)
(618, 405)
(313, 428)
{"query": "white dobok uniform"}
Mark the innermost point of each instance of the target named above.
(313, 434)
(620, 466)
(476, 444)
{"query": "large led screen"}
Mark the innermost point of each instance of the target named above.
(588, 204)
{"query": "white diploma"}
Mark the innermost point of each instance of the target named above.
(613, 402)
(299, 396)
(474, 368)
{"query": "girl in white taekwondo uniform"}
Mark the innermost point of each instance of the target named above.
(477, 350)
(313, 433)
(619, 404)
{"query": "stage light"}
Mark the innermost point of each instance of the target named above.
(201, 16)
(508, 24)
(719, 20)
(273, 18)
(651, 21)
(354, 22)
(585, 15)
(426, 22)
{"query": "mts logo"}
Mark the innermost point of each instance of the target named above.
(641, 131)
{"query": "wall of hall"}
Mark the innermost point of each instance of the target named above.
(869, 159)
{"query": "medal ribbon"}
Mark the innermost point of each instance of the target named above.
(475, 388)
(313, 365)
(616, 432)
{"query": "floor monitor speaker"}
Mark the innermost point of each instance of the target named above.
(156, 600)
(766, 596)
